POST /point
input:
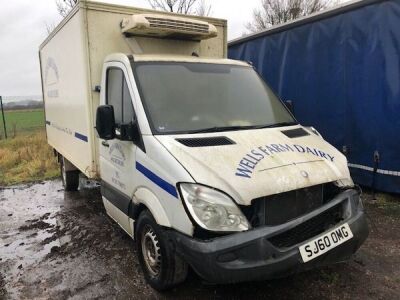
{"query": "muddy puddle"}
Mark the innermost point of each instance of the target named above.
(59, 245)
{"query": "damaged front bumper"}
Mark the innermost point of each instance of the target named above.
(250, 255)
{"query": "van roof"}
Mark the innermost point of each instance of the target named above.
(183, 58)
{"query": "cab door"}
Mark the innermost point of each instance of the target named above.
(117, 157)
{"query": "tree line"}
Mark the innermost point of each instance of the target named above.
(269, 13)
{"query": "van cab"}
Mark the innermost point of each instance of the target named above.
(235, 187)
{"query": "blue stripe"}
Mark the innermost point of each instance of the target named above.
(81, 136)
(166, 186)
(48, 122)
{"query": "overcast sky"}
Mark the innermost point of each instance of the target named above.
(23, 28)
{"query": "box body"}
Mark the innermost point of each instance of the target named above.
(71, 60)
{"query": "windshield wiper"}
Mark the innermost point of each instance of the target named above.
(219, 129)
(281, 124)
(234, 128)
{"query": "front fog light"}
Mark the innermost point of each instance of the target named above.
(211, 209)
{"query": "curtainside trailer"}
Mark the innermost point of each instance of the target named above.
(340, 68)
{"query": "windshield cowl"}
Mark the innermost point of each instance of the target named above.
(235, 128)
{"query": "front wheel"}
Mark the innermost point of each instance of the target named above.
(162, 268)
(70, 179)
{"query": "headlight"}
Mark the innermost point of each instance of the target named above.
(212, 209)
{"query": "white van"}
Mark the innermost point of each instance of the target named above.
(199, 161)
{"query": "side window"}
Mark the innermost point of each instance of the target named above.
(119, 97)
(127, 114)
(115, 78)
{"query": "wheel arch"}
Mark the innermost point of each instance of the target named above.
(143, 199)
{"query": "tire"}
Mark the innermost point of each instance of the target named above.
(162, 268)
(70, 179)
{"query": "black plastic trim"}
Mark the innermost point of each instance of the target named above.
(116, 197)
(248, 255)
(206, 141)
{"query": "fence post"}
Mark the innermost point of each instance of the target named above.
(4, 120)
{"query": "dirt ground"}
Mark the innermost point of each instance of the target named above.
(59, 245)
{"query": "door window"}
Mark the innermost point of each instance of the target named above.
(127, 108)
(119, 97)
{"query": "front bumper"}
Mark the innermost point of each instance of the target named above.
(248, 256)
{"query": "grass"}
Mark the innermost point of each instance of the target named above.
(26, 158)
(18, 121)
(390, 204)
(330, 277)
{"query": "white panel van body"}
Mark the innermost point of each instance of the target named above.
(199, 161)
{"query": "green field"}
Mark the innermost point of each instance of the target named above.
(25, 158)
(19, 121)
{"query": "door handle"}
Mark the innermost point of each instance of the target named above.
(105, 144)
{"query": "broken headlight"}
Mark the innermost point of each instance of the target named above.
(212, 209)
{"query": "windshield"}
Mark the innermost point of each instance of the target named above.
(201, 97)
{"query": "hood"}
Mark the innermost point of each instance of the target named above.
(249, 164)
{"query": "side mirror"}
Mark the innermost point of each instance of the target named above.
(105, 122)
(129, 132)
(289, 105)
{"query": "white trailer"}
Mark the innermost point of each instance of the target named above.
(198, 159)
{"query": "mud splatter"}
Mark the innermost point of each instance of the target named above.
(55, 244)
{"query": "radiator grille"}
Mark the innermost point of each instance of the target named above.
(310, 228)
(178, 25)
(281, 208)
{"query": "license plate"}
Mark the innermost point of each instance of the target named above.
(325, 242)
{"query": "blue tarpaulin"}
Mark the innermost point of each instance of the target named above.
(341, 70)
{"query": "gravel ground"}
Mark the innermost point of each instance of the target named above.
(59, 245)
